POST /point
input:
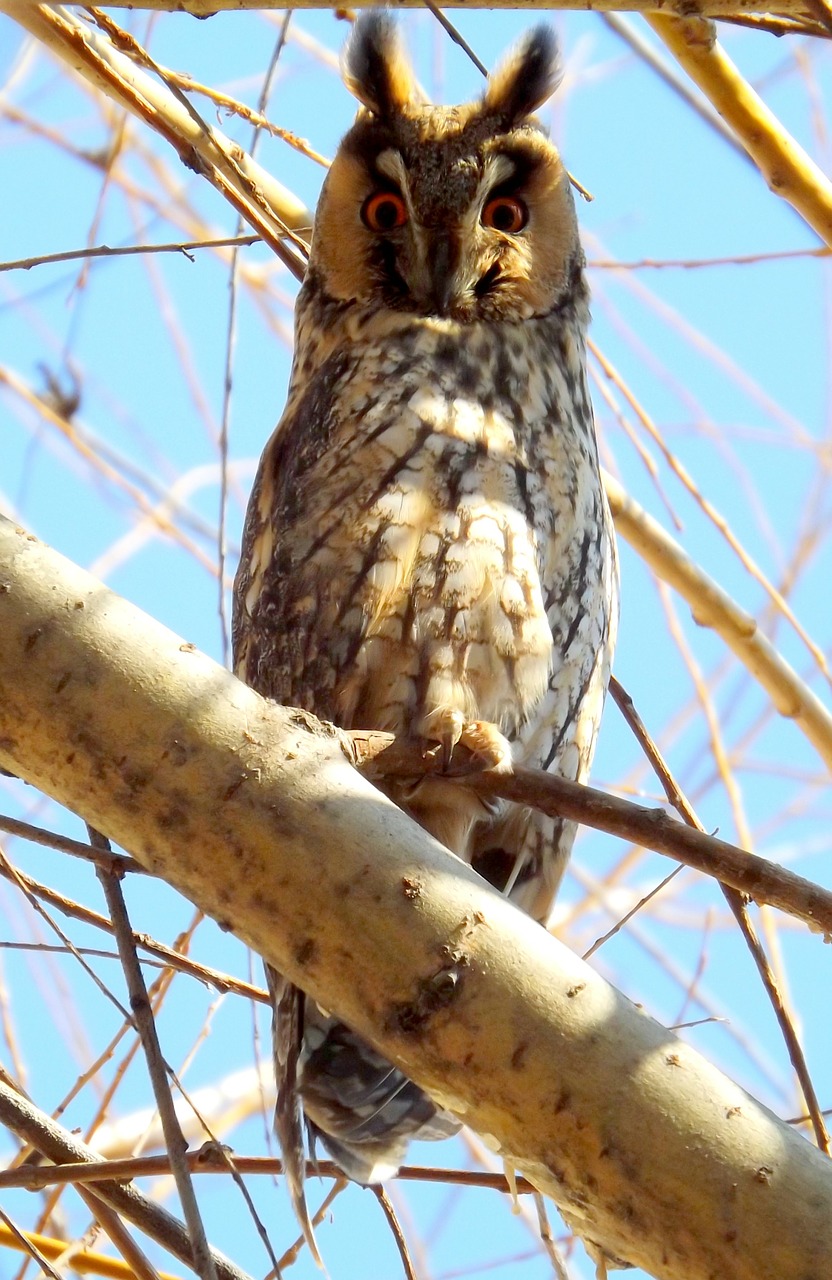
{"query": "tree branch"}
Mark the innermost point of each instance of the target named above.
(380, 755)
(252, 811)
(799, 10)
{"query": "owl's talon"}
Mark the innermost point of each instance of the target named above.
(489, 748)
(486, 746)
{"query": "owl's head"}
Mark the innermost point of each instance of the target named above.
(461, 211)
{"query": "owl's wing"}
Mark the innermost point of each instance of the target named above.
(287, 1038)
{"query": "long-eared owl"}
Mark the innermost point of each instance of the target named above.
(428, 549)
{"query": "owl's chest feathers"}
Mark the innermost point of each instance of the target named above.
(429, 485)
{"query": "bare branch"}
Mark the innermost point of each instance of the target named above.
(380, 755)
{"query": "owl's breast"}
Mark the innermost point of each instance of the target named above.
(409, 553)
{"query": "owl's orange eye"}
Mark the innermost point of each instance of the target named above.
(384, 211)
(505, 213)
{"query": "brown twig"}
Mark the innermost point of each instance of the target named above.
(208, 1159)
(156, 1066)
(381, 755)
(185, 247)
(117, 862)
(396, 1228)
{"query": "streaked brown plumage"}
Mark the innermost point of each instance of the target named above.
(428, 549)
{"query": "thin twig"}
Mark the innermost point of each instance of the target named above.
(396, 1228)
(156, 1065)
(548, 1240)
(210, 1159)
(183, 247)
(456, 36)
(690, 264)
(29, 1246)
(116, 862)
(230, 348)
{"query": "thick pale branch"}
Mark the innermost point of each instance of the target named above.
(260, 820)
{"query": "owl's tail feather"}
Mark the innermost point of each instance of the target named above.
(287, 1034)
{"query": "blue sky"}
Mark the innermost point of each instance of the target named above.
(729, 361)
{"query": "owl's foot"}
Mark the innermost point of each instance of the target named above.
(488, 748)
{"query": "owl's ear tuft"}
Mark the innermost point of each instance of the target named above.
(526, 78)
(375, 67)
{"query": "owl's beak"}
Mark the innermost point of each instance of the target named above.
(441, 269)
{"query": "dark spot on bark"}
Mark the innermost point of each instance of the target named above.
(63, 682)
(575, 990)
(433, 995)
(235, 787)
(177, 752)
(136, 779)
(32, 638)
(519, 1054)
(564, 1101)
(80, 604)
(306, 952)
(174, 818)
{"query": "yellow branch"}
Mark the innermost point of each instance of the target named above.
(85, 1261)
(712, 607)
(786, 167)
(798, 10)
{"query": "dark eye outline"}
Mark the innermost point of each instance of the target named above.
(377, 201)
(518, 210)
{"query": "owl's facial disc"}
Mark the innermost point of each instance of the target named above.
(450, 246)
(441, 212)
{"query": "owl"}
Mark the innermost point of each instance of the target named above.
(428, 549)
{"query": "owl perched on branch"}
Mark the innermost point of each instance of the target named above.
(428, 549)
